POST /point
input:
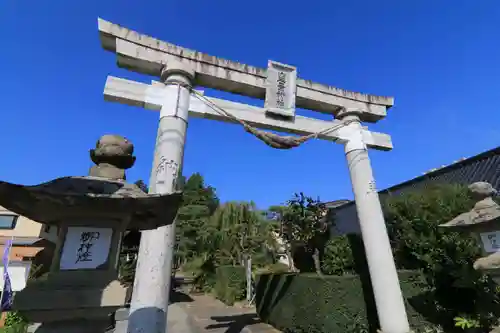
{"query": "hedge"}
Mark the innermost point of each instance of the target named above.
(311, 303)
(230, 283)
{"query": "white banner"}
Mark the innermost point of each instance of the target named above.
(85, 248)
(18, 273)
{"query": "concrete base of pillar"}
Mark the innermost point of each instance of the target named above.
(121, 321)
(178, 321)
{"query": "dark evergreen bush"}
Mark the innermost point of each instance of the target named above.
(311, 303)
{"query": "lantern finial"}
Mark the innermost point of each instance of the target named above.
(482, 190)
(112, 155)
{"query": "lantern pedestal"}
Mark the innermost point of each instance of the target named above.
(83, 283)
(54, 302)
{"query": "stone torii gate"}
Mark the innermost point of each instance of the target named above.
(179, 69)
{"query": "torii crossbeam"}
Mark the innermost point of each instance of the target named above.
(179, 70)
(152, 97)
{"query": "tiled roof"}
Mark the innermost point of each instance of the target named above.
(336, 203)
(482, 167)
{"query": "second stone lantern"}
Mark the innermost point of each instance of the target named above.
(483, 223)
(91, 213)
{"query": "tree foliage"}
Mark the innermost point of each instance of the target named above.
(142, 185)
(199, 203)
(445, 256)
(209, 235)
(237, 229)
(305, 229)
(338, 258)
(130, 248)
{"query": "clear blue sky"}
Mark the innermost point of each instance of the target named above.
(439, 59)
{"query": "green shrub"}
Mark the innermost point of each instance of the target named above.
(338, 258)
(204, 274)
(126, 270)
(314, 304)
(192, 266)
(445, 257)
(15, 328)
(14, 319)
(230, 284)
(14, 323)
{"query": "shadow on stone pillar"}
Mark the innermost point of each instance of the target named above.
(361, 265)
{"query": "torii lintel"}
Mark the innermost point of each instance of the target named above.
(148, 55)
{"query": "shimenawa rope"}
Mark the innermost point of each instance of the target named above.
(271, 139)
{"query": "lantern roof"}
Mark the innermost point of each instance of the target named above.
(486, 210)
(104, 194)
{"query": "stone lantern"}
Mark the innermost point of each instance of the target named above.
(91, 213)
(483, 222)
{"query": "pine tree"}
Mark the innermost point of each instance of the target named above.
(200, 201)
(142, 185)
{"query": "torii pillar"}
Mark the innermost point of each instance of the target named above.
(179, 68)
